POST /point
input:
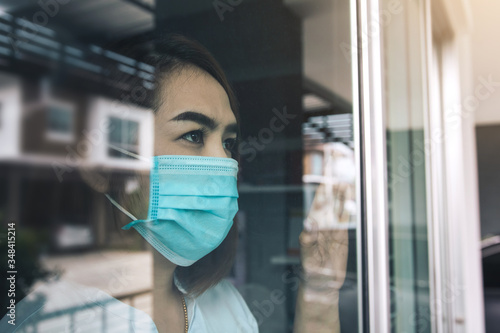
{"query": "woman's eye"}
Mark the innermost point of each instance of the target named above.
(194, 136)
(229, 143)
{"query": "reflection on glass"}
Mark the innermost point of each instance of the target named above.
(296, 259)
(59, 120)
(123, 134)
(406, 153)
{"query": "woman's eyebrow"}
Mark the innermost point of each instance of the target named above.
(231, 128)
(197, 118)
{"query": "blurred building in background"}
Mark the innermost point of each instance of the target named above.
(61, 124)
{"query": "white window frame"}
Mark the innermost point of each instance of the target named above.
(370, 146)
(456, 239)
(453, 223)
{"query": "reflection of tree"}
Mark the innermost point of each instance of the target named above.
(27, 264)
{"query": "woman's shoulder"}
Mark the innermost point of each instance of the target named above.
(224, 310)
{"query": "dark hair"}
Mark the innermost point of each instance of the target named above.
(172, 54)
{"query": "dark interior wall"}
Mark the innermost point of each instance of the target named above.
(256, 39)
(488, 158)
(269, 156)
(259, 45)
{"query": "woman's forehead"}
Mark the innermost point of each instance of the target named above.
(193, 89)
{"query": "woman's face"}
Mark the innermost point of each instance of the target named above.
(194, 116)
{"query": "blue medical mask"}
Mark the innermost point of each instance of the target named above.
(192, 203)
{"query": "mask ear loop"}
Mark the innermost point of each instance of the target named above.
(123, 210)
(126, 152)
(139, 157)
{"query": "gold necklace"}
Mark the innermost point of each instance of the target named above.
(186, 324)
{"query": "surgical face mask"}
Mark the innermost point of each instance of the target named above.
(192, 203)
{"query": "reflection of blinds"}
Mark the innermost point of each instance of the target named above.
(25, 41)
(331, 128)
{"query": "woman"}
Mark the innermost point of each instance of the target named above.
(196, 116)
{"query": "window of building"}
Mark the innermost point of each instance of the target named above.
(123, 137)
(60, 123)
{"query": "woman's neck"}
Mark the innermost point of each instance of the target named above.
(168, 313)
(163, 275)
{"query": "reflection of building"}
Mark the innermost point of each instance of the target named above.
(50, 136)
(66, 105)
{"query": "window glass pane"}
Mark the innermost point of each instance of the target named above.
(148, 217)
(131, 136)
(60, 120)
(407, 154)
(123, 134)
(115, 133)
